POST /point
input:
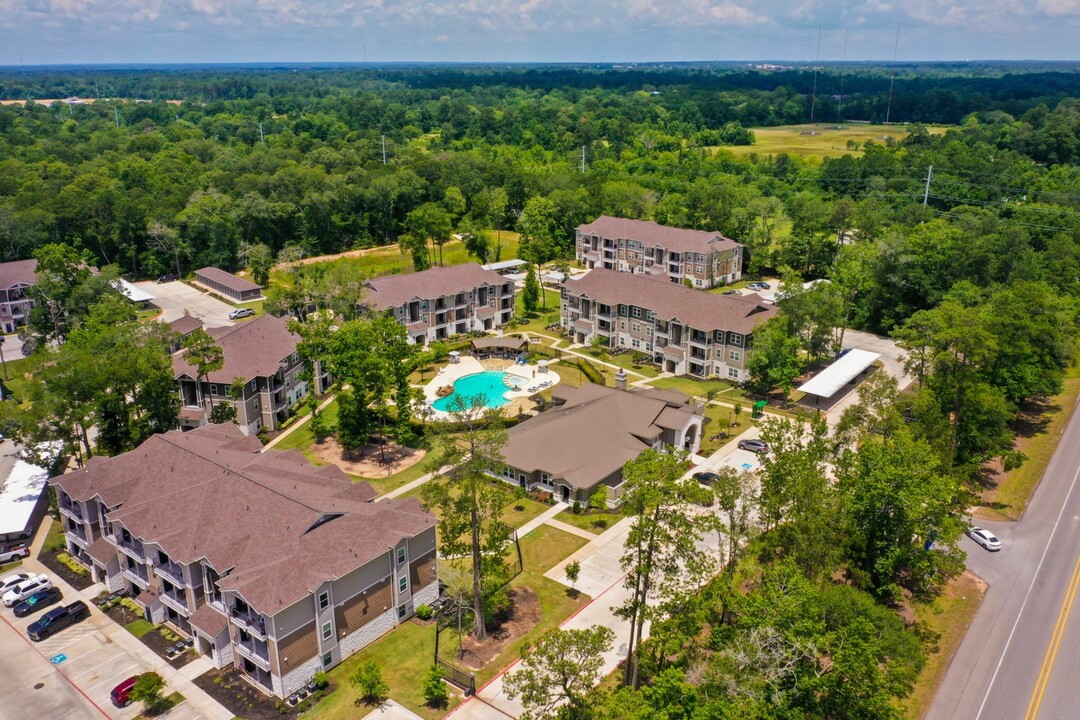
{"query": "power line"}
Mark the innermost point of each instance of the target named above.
(1004, 205)
(1001, 219)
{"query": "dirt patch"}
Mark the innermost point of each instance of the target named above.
(229, 688)
(369, 461)
(157, 642)
(79, 582)
(524, 615)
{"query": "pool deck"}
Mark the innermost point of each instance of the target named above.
(468, 365)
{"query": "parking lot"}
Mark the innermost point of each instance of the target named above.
(77, 668)
(175, 297)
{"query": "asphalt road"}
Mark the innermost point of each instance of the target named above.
(1021, 656)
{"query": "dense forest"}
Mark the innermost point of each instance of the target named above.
(962, 242)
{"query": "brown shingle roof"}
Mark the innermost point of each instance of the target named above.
(670, 301)
(279, 524)
(591, 436)
(101, 550)
(19, 271)
(503, 342)
(252, 349)
(209, 620)
(396, 290)
(227, 279)
(653, 234)
(185, 324)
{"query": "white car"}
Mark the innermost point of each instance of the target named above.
(13, 552)
(11, 580)
(985, 538)
(26, 588)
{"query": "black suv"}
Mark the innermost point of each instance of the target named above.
(38, 601)
(168, 277)
(56, 620)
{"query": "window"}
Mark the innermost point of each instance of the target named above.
(327, 658)
(719, 337)
(213, 389)
(403, 584)
(735, 340)
(324, 600)
(700, 269)
(545, 479)
(509, 473)
(735, 355)
(635, 311)
(733, 373)
(635, 342)
(400, 555)
(256, 406)
(637, 327)
(401, 611)
(253, 381)
(327, 630)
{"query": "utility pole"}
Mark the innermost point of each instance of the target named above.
(892, 78)
(582, 159)
(383, 149)
(926, 192)
(817, 57)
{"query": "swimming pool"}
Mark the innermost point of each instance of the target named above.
(492, 384)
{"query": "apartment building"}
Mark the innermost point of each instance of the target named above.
(262, 354)
(684, 331)
(705, 259)
(583, 442)
(15, 279)
(441, 302)
(273, 566)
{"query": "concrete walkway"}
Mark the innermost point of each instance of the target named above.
(397, 492)
(293, 428)
(147, 659)
(572, 529)
(541, 519)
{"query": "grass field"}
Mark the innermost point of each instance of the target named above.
(699, 388)
(826, 142)
(948, 615)
(595, 522)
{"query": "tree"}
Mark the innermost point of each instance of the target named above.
(531, 294)
(735, 496)
(167, 240)
(369, 679)
(478, 244)
(537, 225)
(354, 421)
(434, 690)
(573, 571)
(430, 222)
(207, 356)
(774, 360)
(469, 500)
(598, 500)
(660, 555)
(559, 672)
(261, 261)
(148, 689)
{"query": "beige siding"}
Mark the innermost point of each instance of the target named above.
(422, 572)
(293, 650)
(358, 611)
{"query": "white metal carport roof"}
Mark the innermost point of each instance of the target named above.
(840, 373)
(134, 294)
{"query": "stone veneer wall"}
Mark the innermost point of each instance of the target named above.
(223, 656)
(115, 582)
(369, 632)
(427, 595)
(286, 685)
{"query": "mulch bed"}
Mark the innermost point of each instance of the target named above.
(79, 582)
(160, 645)
(229, 688)
(524, 616)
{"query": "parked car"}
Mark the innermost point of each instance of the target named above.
(985, 538)
(168, 277)
(731, 292)
(38, 601)
(26, 588)
(56, 620)
(706, 478)
(755, 446)
(11, 580)
(241, 313)
(13, 552)
(121, 694)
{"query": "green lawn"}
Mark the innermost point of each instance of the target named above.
(139, 627)
(569, 374)
(530, 509)
(4, 569)
(589, 521)
(392, 482)
(302, 437)
(625, 360)
(55, 539)
(15, 379)
(824, 142)
(719, 419)
(699, 388)
(404, 656)
(543, 318)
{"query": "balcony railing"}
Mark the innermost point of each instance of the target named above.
(137, 575)
(78, 534)
(170, 571)
(134, 548)
(175, 599)
(71, 509)
(255, 651)
(251, 621)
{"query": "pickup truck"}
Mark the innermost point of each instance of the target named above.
(56, 620)
(11, 553)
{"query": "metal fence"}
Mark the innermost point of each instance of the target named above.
(456, 676)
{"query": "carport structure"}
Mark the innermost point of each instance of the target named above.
(848, 367)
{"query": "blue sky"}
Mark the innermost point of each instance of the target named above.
(92, 31)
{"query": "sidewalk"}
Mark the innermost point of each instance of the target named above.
(289, 431)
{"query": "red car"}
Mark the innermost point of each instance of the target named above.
(121, 694)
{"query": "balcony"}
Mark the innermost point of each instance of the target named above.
(137, 575)
(71, 510)
(171, 571)
(132, 547)
(249, 620)
(176, 599)
(78, 534)
(255, 651)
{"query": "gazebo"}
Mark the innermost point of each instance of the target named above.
(501, 346)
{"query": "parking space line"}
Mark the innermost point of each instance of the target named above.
(95, 667)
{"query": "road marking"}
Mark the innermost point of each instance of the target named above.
(1027, 596)
(1055, 645)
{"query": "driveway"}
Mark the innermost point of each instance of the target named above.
(175, 297)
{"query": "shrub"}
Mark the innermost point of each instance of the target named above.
(70, 563)
(281, 707)
(424, 612)
(131, 605)
(600, 523)
(434, 690)
(148, 689)
(369, 679)
(577, 508)
(321, 680)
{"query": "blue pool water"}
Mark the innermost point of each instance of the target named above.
(488, 383)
